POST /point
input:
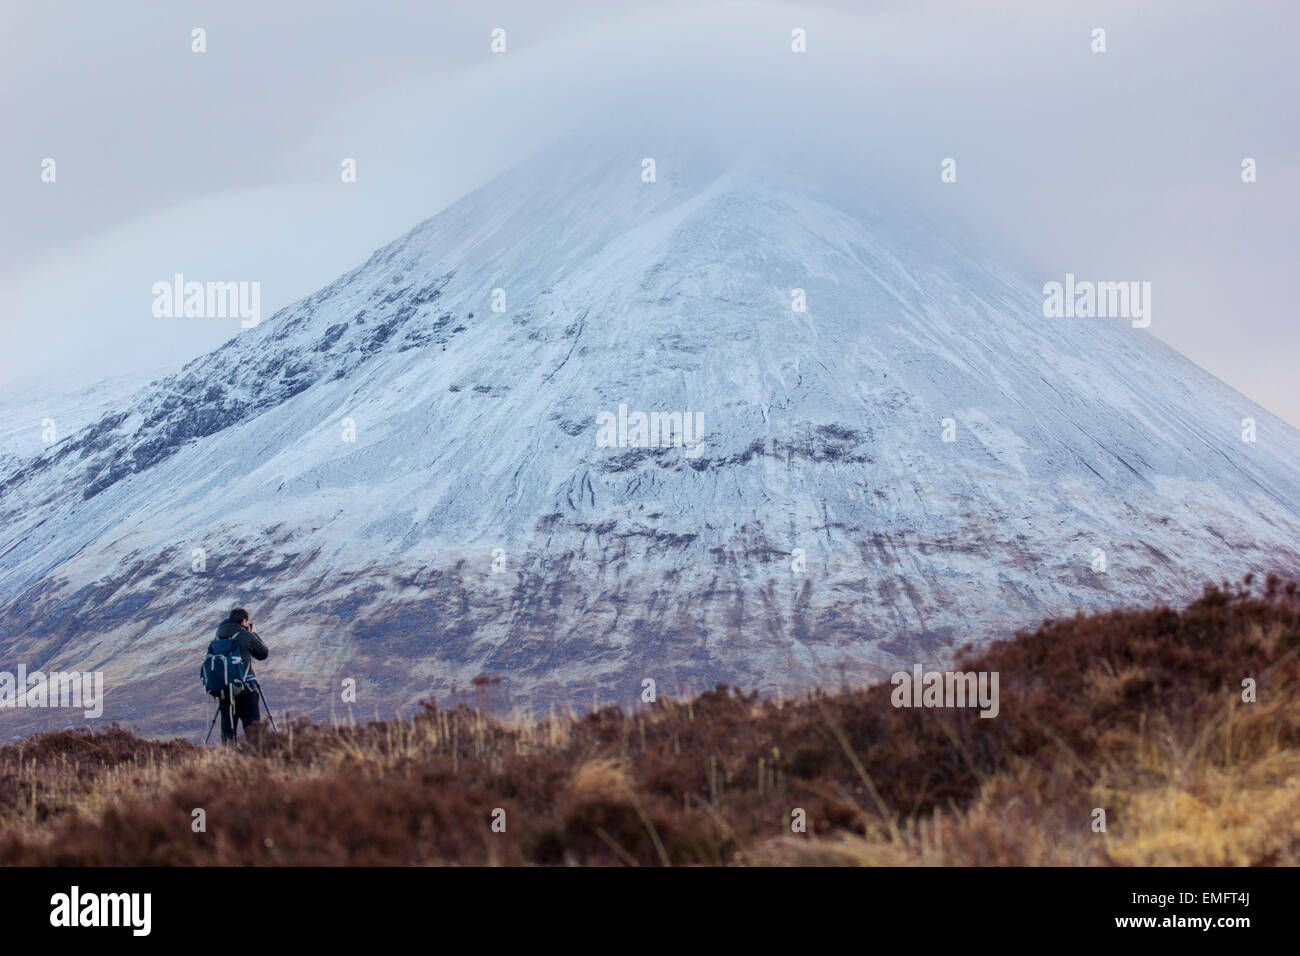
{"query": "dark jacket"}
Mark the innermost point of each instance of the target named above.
(250, 645)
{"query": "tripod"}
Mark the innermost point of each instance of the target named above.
(257, 686)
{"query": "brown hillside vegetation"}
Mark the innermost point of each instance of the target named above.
(1139, 713)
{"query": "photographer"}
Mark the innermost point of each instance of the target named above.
(246, 710)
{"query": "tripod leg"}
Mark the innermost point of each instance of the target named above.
(268, 708)
(213, 724)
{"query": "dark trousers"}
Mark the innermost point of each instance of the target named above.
(247, 712)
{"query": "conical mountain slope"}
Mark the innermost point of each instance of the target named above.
(411, 488)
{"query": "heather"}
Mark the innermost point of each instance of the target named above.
(1139, 713)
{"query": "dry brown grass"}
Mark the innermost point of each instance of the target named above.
(1138, 713)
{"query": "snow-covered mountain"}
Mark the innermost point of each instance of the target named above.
(479, 522)
(33, 418)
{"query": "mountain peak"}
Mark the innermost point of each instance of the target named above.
(470, 454)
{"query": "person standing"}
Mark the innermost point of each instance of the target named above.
(246, 709)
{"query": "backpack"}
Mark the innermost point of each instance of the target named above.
(224, 669)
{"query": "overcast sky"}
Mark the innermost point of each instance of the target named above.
(225, 164)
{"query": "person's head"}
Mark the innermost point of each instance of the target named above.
(239, 616)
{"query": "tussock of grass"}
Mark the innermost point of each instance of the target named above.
(1137, 712)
